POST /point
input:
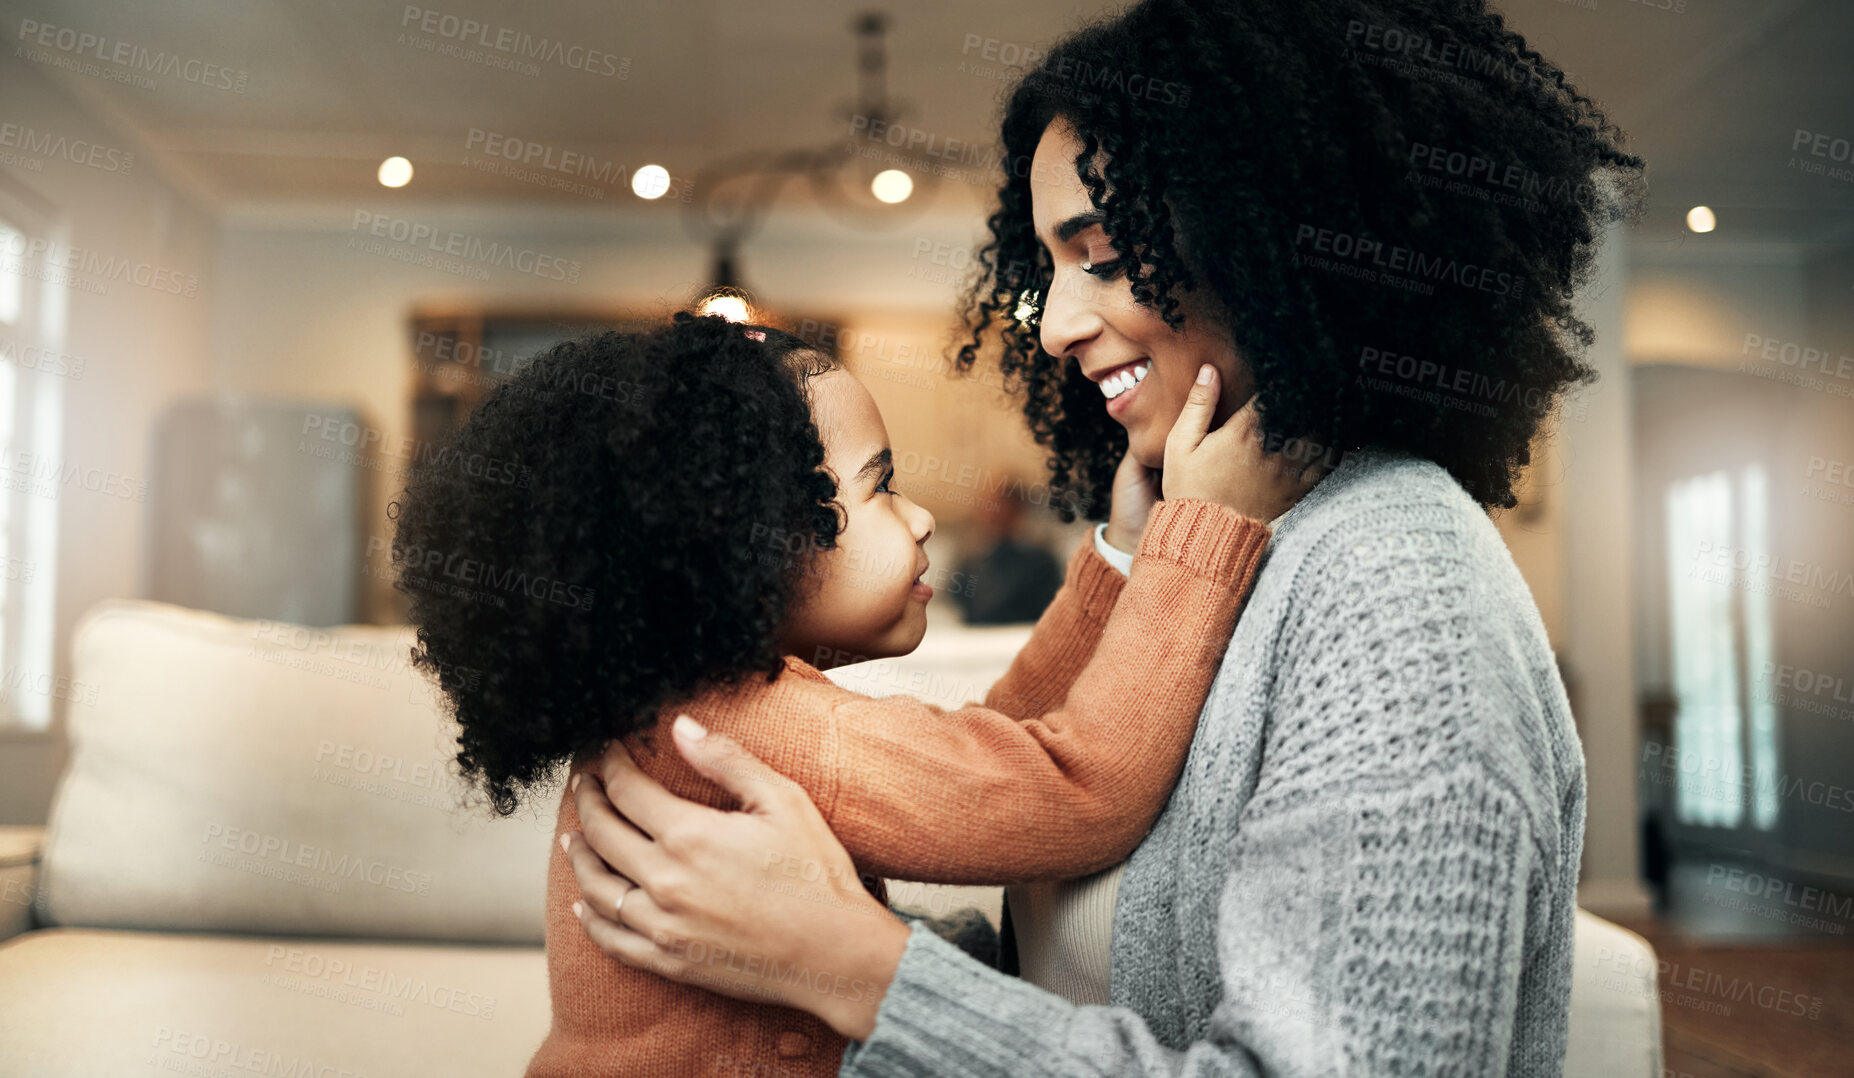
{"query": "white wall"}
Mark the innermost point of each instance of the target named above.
(1598, 647)
(1693, 304)
(310, 304)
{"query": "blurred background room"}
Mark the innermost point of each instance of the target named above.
(255, 258)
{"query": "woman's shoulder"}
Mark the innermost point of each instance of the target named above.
(1397, 595)
(1381, 491)
(1388, 522)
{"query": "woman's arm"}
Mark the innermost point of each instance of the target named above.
(1327, 965)
(1338, 951)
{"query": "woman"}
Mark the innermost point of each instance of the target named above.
(1371, 218)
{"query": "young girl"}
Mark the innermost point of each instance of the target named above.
(710, 522)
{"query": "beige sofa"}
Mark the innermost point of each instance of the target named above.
(254, 864)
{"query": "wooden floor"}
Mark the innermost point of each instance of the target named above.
(1745, 995)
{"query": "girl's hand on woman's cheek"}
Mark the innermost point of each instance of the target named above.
(734, 902)
(1228, 465)
(1136, 490)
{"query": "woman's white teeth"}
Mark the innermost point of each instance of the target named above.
(1114, 385)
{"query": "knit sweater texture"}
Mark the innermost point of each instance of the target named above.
(1369, 863)
(1059, 773)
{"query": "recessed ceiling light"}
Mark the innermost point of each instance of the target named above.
(892, 185)
(651, 181)
(395, 172)
(1701, 219)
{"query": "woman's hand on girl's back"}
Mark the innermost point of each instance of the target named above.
(1227, 465)
(733, 902)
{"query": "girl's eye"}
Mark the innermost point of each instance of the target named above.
(882, 487)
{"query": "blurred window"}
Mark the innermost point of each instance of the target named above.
(1715, 603)
(33, 371)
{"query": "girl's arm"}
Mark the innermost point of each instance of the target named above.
(1069, 630)
(975, 796)
(1064, 640)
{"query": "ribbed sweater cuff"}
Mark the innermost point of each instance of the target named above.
(943, 1007)
(1096, 585)
(1212, 540)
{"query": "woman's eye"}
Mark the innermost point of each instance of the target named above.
(882, 487)
(1101, 262)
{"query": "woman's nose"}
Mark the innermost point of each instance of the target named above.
(1067, 320)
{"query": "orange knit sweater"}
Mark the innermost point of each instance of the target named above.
(1058, 774)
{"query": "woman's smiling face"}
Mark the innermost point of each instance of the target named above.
(1144, 368)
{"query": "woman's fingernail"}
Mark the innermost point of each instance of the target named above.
(689, 728)
(1203, 374)
(574, 785)
(579, 909)
(565, 841)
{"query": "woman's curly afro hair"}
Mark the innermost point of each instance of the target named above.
(607, 534)
(1404, 176)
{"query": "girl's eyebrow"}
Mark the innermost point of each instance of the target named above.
(877, 464)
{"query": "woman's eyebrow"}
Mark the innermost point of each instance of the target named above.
(1066, 230)
(876, 464)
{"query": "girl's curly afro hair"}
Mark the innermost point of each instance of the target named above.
(1346, 180)
(607, 534)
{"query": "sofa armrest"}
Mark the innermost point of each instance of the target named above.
(19, 872)
(1615, 1023)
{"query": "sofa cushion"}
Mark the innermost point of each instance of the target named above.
(19, 869)
(245, 776)
(82, 1001)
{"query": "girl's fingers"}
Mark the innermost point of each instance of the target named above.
(1193, 421)
(1243, 429)
(1239, 439)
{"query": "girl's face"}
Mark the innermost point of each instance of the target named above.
(1089, 313)
(866, 598)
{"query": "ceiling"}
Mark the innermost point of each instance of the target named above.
(1711, 94)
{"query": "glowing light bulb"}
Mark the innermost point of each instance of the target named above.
(1701, 219)
(728, 306)
(395, 172)
(651, 181)
(892, 185)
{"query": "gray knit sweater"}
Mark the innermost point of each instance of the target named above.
(1369, 864)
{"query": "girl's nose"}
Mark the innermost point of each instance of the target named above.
(923, 524)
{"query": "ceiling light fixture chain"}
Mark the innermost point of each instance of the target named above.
(735, 195)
